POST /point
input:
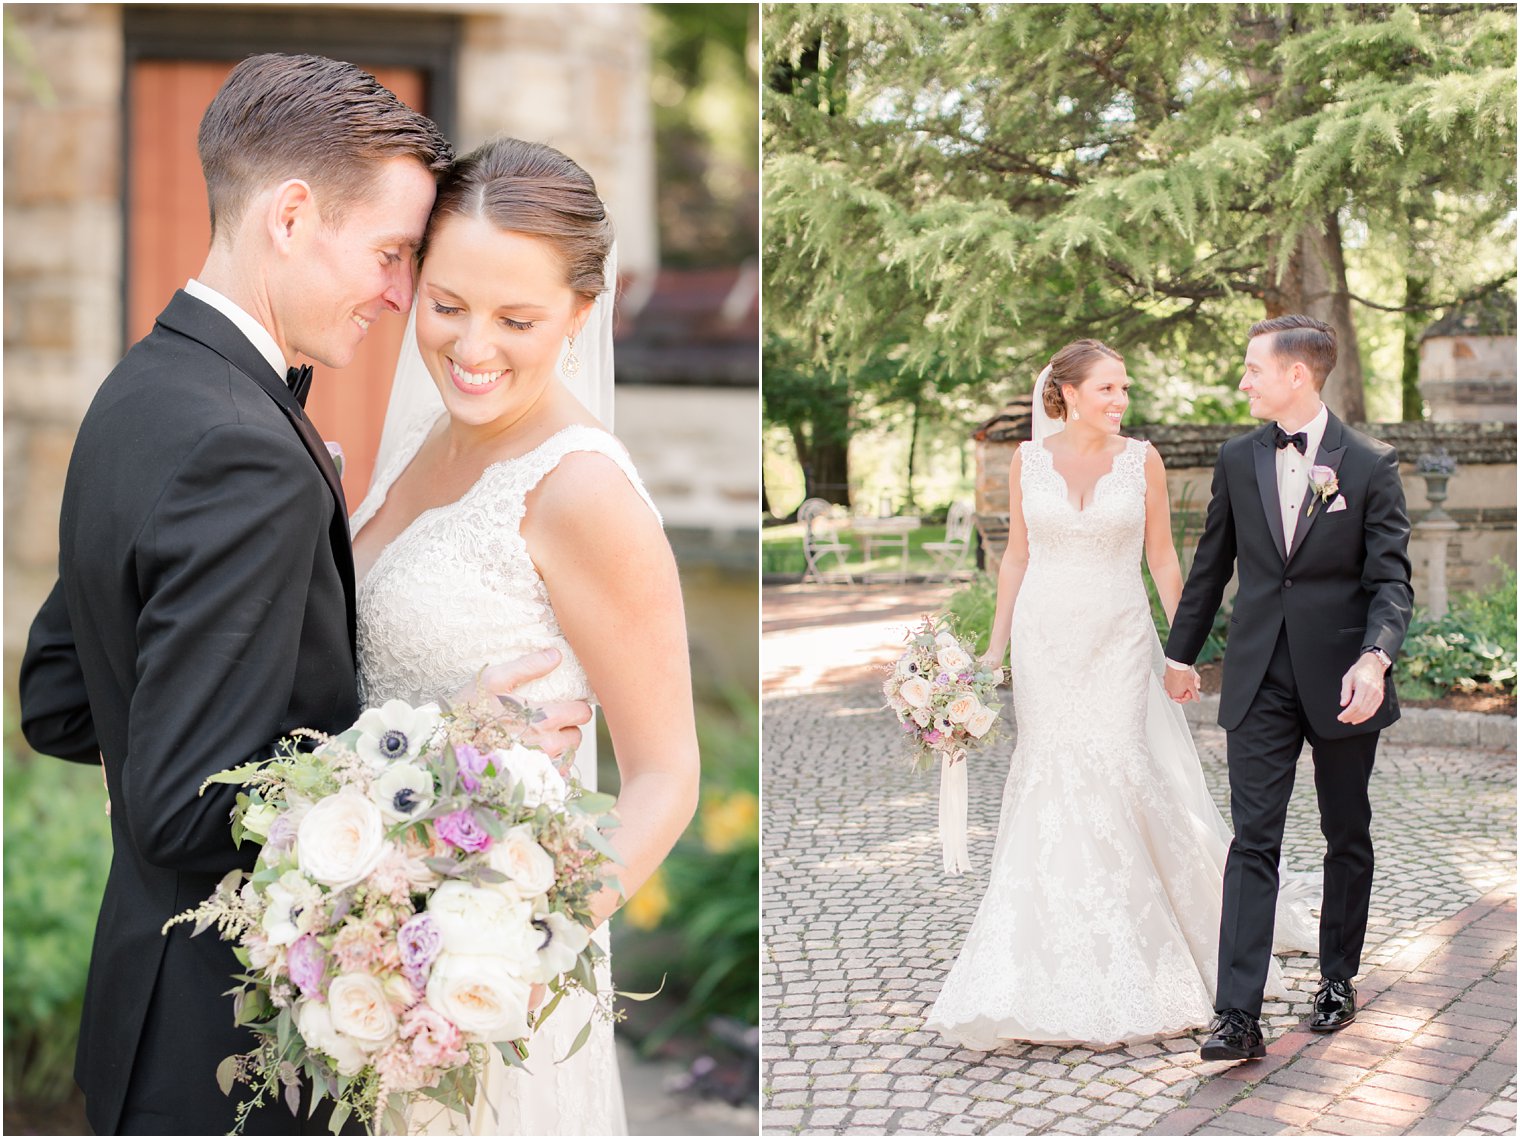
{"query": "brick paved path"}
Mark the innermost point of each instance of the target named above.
(861, 926)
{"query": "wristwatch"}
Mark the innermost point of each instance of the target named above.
(1380, 654)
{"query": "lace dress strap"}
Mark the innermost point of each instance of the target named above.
(527, 471)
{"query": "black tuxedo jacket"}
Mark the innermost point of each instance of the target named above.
(204, 608)
(1342, 587)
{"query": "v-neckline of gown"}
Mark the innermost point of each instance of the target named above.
(442, 506)
(1066, 488)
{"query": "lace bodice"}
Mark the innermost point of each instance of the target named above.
(452, 593)
(1099, 545)
(456, 590)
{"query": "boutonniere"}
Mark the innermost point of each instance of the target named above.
(336, 451)
(1325, 485)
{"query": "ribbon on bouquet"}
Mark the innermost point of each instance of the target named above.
(953, 797)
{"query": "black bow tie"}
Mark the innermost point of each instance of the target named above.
(299, 382)
(1298, 439)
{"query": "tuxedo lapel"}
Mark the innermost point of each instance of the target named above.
(1266, 482)
(203, 324)
(1332, 449)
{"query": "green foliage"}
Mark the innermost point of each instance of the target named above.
(706, 941)
(702, 83)
(955, 190)
(57, 855)
(972, 609)
(1473, 645)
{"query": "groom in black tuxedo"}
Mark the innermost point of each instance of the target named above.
(1311, 515)
(205, 599)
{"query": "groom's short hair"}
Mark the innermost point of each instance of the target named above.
(305, 116)
(1297, 337)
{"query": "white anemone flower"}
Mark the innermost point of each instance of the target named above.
(561, 941)
(403, 791)
(395, 731)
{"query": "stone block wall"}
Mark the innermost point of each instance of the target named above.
(1481, 495)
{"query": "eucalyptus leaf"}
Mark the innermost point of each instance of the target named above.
(580, 1040)
(226, 1073)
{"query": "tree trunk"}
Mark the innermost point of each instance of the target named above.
(1314, 283)
(825, 465)
(1415, 295)
(912, 450)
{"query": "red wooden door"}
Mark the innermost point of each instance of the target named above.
(169, 231)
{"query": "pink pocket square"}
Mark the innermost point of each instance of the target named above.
(1338, 504)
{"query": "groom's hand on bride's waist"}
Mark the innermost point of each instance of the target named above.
(557, 730)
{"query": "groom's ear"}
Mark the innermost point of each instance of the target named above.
(291, 205)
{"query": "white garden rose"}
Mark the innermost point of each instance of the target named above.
(945, 639)
(528, 866)
(475, 920)
(953, 659)
(533, 769)
(341, 839)
(361, 1010)
(395, 731)
(403, 791)
(314, 1023)
(981, 721)
(258, 819)
(484, 994)
(921, 717)
(560, 943)
(916, 691)
(962, 708)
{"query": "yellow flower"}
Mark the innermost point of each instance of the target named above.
(646, 909)
(730, 822)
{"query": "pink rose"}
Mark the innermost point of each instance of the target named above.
(436, 1042)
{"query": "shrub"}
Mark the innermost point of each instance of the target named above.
(697, 919)
(1473, 645)
(57, 854)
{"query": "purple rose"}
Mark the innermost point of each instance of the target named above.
(461, 831)
(420, 941)
(471, 765)
(306, 961)
(942, 678)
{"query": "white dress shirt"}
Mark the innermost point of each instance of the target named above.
(256, 333)
(1292, 481)
(1293, 473)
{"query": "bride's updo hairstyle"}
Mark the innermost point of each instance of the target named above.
(1070, 366)
(532, 189)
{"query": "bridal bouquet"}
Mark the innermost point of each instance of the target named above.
(419, 874)
(939, 691)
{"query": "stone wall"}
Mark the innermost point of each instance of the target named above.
(1469, 378)
(575, 76)
(1481, 494)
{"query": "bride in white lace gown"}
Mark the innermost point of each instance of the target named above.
(1100, 923)
(504, 520)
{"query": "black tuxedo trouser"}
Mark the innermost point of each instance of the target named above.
(1263, 753)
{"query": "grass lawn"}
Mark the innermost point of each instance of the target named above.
(781, 552)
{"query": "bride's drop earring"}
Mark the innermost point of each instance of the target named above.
(1075, 414)
(572, 363)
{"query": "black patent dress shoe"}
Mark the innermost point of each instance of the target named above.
(1334, 1006)
(1234, 1035)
